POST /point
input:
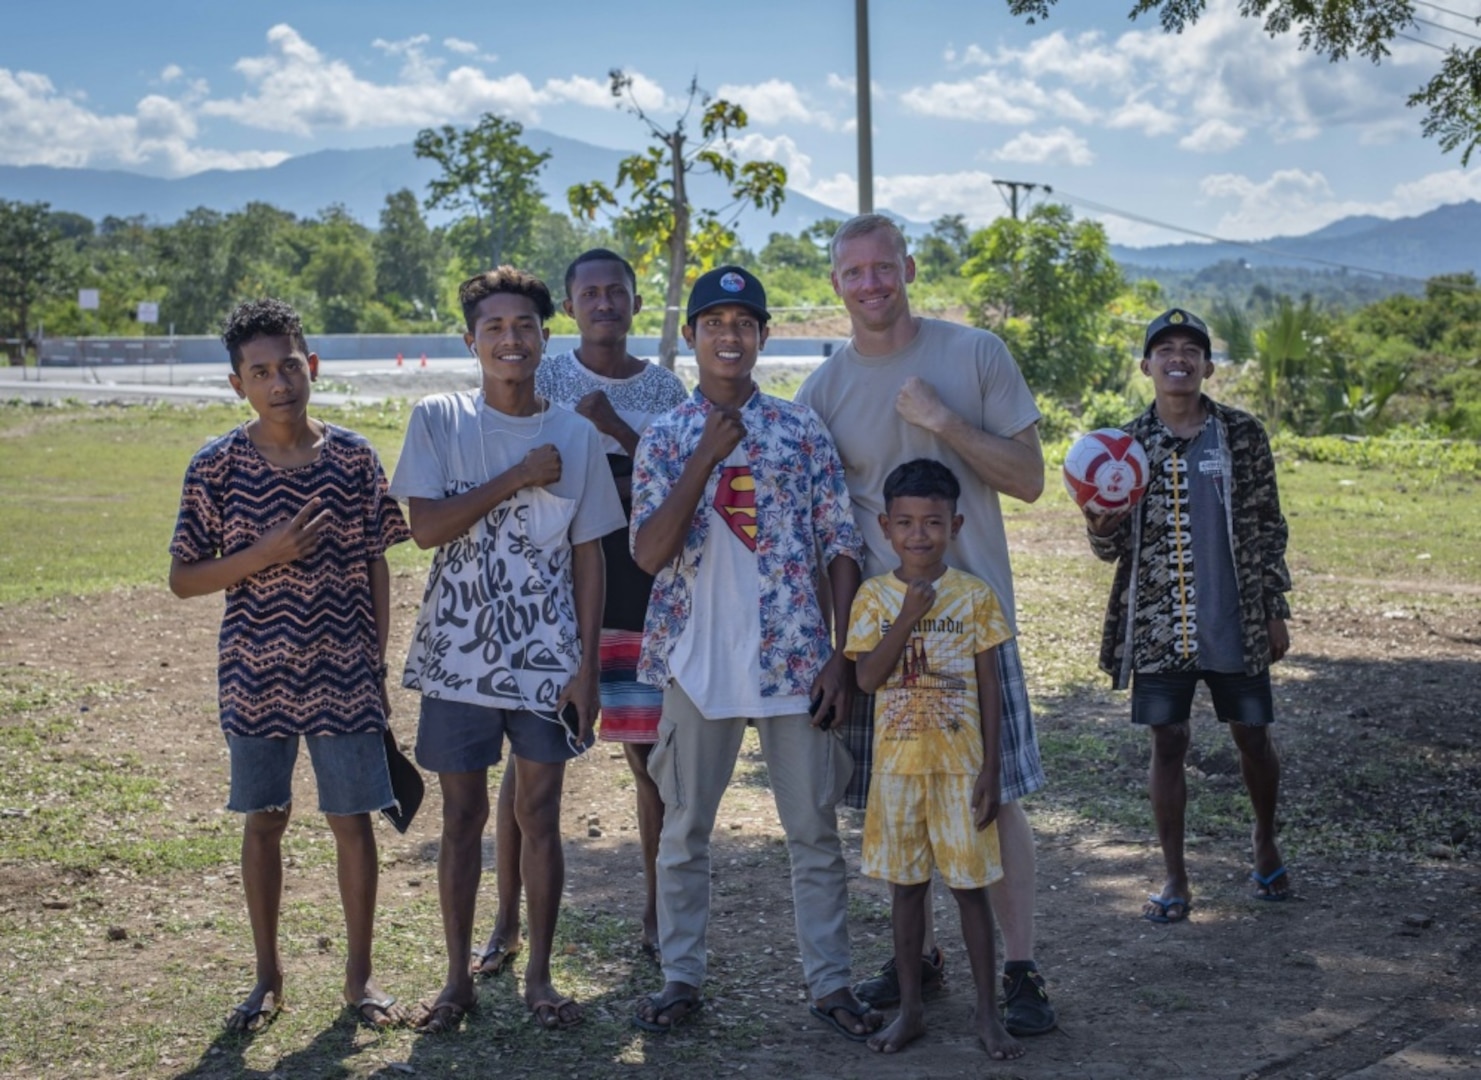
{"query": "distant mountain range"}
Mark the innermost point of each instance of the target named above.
(360, 180)
(1444, 240)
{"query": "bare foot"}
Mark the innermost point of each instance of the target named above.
(903, 1031)
(260, 1008)
(667, 1009)
(1000, 1046)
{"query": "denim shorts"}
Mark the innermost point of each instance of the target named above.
(1159, 698)
(454, 736)
(350, 771)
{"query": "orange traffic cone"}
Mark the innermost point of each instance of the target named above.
(424, 359)
(398, 359)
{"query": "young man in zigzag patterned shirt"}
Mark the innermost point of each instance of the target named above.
(291, 518)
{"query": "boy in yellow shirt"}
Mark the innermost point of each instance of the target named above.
(924, 639)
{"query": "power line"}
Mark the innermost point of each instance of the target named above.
(1422, 41)
(1261, 249)
(1447, 11)
(1448, 29)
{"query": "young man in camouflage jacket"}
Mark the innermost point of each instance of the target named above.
(1198, 595)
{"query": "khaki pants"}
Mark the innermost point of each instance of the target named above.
(808, 769)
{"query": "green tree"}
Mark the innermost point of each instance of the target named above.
(1335, 29)
(659, 219)
(340, 270)
(195, 251)
(945, 248)
(405, 253)
(1044, 284)
(29, 263)
(488, 171)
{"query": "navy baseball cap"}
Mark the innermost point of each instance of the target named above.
(727, 285)
(1177, 319)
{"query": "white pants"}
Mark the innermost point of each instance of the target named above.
(808, 769)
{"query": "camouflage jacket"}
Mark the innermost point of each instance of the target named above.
(1151, 603)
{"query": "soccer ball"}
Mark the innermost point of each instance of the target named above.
(1105, 471)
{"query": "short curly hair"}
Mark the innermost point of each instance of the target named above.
(253, 319)
(504, 279)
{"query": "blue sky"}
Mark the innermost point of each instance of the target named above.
(1221, 130)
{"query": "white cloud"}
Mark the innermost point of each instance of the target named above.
(986, 98)
(1138, 115)
(1058, 147)
(170, 73)
(296, 89)
(919, 197)
(458, 45)
(40, 126)
(753, 146)
(775, 102)
(1213, 137)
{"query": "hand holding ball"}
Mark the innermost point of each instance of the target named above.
(1106, 471)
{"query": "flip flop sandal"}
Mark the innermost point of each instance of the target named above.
(1264, 885)
(254, 1019)
(375, 1013)
(857, 1009)
(1169, 910)
(499, 956)
(692, 1004)
(440, 1018)
(554, 1007)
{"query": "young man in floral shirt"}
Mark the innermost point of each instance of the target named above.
(734, 495)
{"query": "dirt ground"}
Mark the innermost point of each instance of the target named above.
(1370, 971)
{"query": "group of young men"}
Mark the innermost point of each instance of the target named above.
(831, 571)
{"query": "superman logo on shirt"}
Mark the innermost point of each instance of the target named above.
(735, 502)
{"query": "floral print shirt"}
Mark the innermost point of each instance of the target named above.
(802, 507)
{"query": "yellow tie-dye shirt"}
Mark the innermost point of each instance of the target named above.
(926, 715)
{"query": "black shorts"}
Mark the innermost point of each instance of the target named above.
(1167, 697)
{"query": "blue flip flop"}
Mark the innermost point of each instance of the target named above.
(1264, 890)
(1169, 909)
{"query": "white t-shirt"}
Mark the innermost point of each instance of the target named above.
(976, 376)
(637, 399)
(497, 626)
(716, 658)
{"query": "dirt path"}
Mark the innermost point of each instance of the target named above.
(1371, 971)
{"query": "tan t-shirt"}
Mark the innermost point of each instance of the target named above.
(976, 376)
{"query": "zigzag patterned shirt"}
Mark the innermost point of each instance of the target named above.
(298, 645)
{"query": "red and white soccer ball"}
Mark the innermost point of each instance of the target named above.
(1106, 471)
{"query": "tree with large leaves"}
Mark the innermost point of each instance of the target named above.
(1044, 284)
(489, 172)
(659, 218)
(1336, 29)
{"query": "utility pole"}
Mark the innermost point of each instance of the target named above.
(1012, 186)
(866, 123)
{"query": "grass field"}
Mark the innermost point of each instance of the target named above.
(106, 832)
(90, 496)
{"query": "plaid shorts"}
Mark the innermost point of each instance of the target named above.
(1023, 773)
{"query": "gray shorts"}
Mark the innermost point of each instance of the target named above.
(350, 771)
(454, 736)
(1023, 772)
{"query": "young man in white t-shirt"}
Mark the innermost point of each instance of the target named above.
(515, 495)
(620, 394)
(909, 387)
(735, 494)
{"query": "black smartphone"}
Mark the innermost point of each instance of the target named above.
(572, 719)
(812, 710)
